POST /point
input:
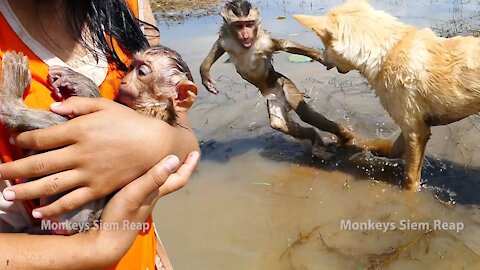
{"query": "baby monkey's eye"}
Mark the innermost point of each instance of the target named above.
(144, 70)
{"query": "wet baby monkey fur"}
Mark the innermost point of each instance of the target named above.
(250, 49)
(157, 84)
(422, 80)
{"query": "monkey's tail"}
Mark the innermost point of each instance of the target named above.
(16, 77)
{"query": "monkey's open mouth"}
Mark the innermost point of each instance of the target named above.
(247, 44)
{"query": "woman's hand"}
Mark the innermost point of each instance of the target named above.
(135, 202)
(101, 247)
(102, 149)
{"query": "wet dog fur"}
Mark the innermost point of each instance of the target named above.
(422, 79)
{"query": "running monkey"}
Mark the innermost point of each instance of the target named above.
(250, 49)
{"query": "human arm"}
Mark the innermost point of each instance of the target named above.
(211, 58)
(296, 48)
(101, 246)
(100, 151)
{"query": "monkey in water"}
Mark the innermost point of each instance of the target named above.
(250, 49)
(158, 83)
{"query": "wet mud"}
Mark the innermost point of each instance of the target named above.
(180, 10)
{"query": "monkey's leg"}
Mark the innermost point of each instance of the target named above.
(310, 116)
(14, 113)
(281, 121)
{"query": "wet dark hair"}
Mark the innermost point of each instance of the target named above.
(106, 20)
(240, 8)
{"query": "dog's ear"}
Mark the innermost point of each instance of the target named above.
(319, 24)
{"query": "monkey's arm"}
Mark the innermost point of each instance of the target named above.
(212, 57)
(296, 48)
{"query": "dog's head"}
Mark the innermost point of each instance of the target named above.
(334, 29)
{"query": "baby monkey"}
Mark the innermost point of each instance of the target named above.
(250, 49)
(158, 83)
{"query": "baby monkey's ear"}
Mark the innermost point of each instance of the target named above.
(187, 93)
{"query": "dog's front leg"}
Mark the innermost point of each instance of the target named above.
(416, 141)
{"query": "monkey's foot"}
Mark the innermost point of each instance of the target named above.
(319, 150)
(364, 157)
(15, 72)
(322, 153)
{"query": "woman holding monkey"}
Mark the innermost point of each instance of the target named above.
(95, 38)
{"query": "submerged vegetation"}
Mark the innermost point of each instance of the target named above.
(176, 10)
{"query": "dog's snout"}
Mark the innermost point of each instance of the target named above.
(341, 71)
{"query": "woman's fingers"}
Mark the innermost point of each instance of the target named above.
(177, 180)
(36, 166)
(141, 188)
(46, 138)
(77, 106)
(44, 187)
(66, 203)
(160, 180)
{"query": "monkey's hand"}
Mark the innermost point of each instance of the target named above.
(210, 84)
(66, 83)
(319, 58)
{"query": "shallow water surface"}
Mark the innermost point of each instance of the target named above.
(258, 201)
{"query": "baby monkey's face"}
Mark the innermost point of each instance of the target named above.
(158, 80)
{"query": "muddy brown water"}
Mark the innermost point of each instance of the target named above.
(258, 201)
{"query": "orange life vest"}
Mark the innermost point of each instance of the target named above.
(141, 254)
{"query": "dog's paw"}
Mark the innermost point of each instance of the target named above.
(412, 186)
